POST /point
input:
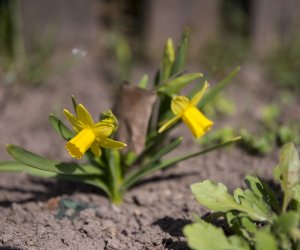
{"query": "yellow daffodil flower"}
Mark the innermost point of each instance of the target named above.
(89, 134)
(187, 110)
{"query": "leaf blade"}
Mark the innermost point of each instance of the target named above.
(41, 163)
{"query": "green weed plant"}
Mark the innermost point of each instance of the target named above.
(259, 217)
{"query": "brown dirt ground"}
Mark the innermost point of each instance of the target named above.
(154, 212)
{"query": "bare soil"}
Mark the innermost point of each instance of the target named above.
(40, 213)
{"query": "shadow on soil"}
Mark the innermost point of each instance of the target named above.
(164, 178)
(174, 228)
(49, 189)
(9, 248)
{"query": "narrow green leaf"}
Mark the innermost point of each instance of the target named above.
(168, 60)
(14, 166)
(218, 88)
(146, 169)
(60, 127)
(181, 53)
(141, 173)
(39, 162)
(174, 86)
(167, 149)
(74, 103)
(88, 179)
(203, 236)
(144, 82)
(11, 166)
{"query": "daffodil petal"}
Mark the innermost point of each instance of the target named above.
(103, 129)
(105, 142)
(84, 116)
(198, 96)
(179, 104)
(198, 123)
(77, 126)
(96, 149)
(79, 144)
(168, 123)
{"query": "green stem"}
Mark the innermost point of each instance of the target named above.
(116, 175)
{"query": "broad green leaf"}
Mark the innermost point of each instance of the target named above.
(263, 191)
(181, 53)
(60, 127)
(286, 222)
(212, 93)
(213, 196)
(254, 207)
(204, 236)
(144, 82)
(287, 172)
(39, 162)
(136, 176)
(173, 86)
(265, 241)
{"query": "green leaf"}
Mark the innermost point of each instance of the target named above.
(241, 225)
(181, 53)
(173, 86)
(89, 179)
(204, 236)
(14, 166)
(144, 82)
(216, 198)
(263, 191)
(60, 128)
(162, 152)
(168, 60)
(214, 91)
(41, 163)
(213, 196)
(74, 103)
(265, 241)
(286, 222)
(252, 205)
(152, 164)
(135, 176)
(287, 172)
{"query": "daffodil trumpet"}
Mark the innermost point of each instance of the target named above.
(90, 135)
(187, 110)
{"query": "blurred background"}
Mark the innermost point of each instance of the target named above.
(225, 33)
(52, 49)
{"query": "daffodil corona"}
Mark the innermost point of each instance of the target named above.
(89, 135)
(187, 110)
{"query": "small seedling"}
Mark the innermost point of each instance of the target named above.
(258, 217)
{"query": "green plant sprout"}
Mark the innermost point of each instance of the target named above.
(146, 142)
(272, 132)
(258, 217)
